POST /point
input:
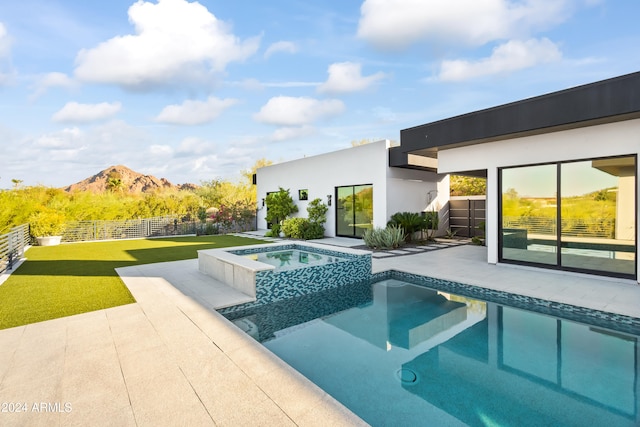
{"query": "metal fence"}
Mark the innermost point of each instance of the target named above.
(12, 246)
(81, 231)
(604, 228)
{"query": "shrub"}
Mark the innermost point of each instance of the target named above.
(317, 211)
(302, 228)
(315, 230)
(295, 227)
(384, 238)
(410, 222)
(279, 206)
(431, 223)
(47, 223)
(275, 231)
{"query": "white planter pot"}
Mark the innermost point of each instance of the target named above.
(49, 240)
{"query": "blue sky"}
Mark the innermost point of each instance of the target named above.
(194, 91)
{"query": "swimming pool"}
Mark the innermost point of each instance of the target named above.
(404, 350)
(294, 258)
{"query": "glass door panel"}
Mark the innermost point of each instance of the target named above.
(344, 211)
(363, 197)
(598, 215)
(529, 214)
(354, 210)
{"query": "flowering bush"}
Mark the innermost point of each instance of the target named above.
(234, 217)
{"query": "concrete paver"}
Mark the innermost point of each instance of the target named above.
(170, 359)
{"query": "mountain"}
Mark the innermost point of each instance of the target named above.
(129, 181)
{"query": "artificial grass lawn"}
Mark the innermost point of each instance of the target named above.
(58, 281)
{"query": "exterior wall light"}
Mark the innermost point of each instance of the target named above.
(328, 199)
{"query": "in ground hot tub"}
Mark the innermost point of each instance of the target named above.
(274, 272)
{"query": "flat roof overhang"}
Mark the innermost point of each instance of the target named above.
(606, 101)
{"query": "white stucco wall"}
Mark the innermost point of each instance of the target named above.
(394, 190)
(417, 191)
(613, 139)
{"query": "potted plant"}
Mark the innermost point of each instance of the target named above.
(47, 227)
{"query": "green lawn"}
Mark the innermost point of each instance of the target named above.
(58, 281)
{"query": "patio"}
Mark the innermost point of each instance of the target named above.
(170, 358)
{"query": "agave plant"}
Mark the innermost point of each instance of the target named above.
(384, 238)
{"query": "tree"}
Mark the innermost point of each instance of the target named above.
(357, 143)
(467, 186)
(16, 183)
(248, 173)
(279, 206)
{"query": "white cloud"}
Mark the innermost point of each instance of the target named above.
(50, 80)
(396, 24)
(65, 138)
(511, 56)
(5, 41)
(281, 46)
(157, 150)
(195, 112)
(74, 112)
(346, 77)
(193, 145)
(256, 85)
(6, 69)
(284, 133)
(175, 41)
(292, 111)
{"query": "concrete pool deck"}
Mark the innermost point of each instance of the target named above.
(171, 359)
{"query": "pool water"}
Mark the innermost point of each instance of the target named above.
(293, 258)
(396, 353)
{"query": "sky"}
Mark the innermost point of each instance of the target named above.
(193, 91)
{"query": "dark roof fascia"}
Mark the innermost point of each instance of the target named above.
(595, 103)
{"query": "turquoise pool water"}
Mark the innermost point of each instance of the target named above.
(397, 353)
(294, 258)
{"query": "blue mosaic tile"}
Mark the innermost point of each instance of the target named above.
(277, 285)
(618, 322)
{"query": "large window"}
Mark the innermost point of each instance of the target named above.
(577, 216)
(354, 210)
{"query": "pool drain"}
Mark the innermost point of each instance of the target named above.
(407, 376)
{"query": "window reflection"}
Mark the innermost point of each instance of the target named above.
(598, 215)
(529, 211)
(596, 204)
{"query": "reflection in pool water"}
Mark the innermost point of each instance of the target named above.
(401, 354)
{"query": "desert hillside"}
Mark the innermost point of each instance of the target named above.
(121, 178)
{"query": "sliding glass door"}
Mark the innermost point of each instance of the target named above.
(598, 215)
(529, 214)
(577, 216)
(354, 210)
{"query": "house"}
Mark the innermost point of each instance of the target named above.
(561, 170)
(357, 184)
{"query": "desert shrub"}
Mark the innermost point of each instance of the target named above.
(47, 222)
(384, 238)
(431, 223)
(295, 228)
(410, 222)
